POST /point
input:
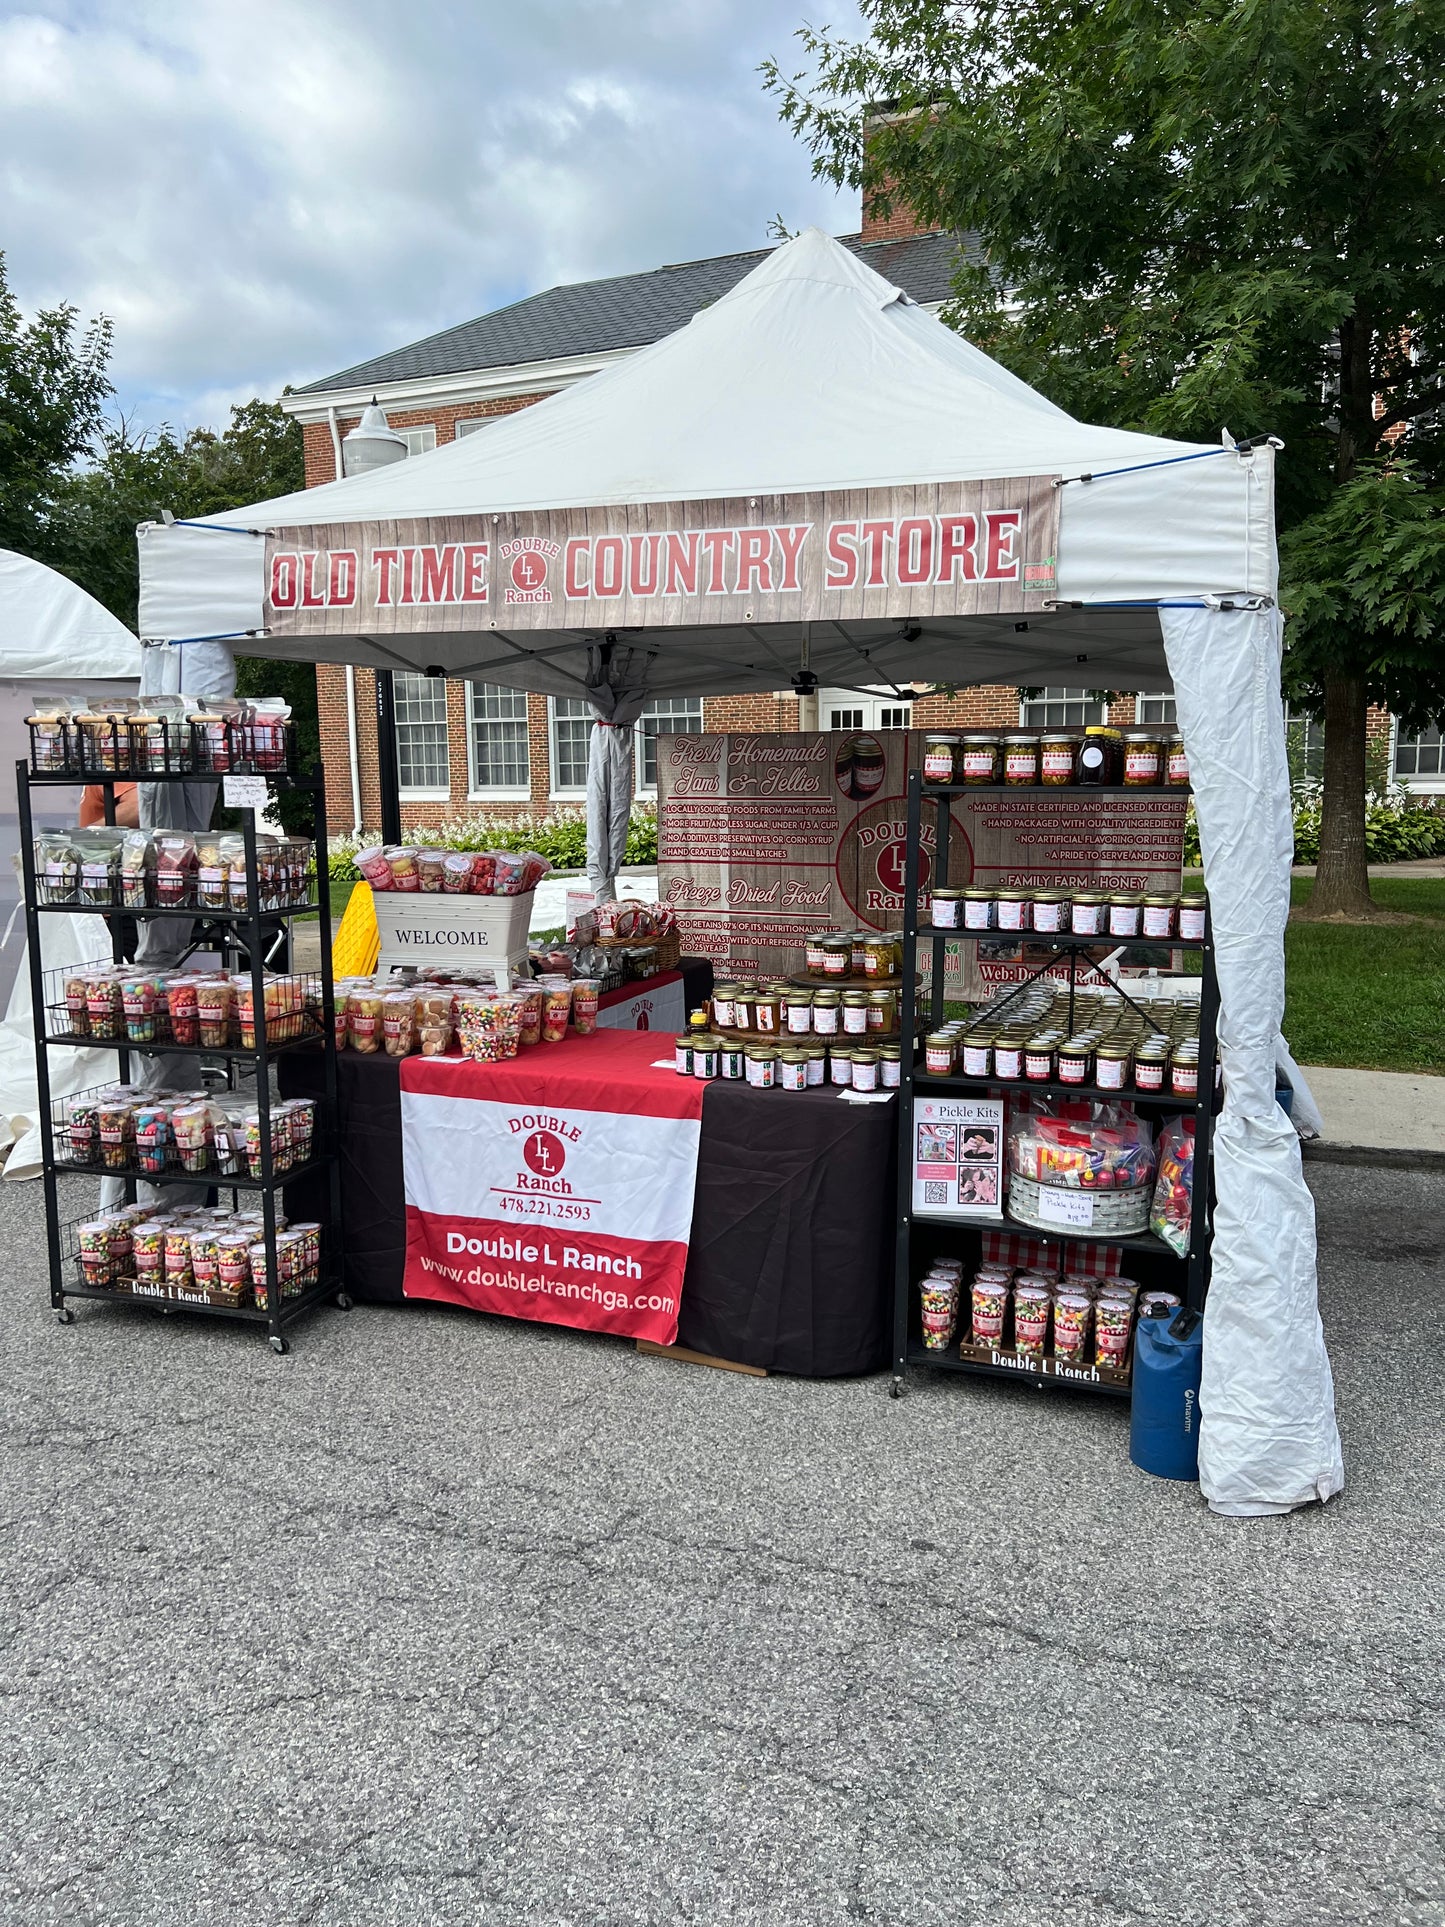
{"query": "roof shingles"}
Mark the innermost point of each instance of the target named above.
(626, 311)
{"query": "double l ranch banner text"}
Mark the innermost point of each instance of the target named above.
(951, 548)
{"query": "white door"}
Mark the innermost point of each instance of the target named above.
(852, 709)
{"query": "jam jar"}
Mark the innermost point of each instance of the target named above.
(1021, 759)
(1058, 753)
(981, 760)
(1143, 759)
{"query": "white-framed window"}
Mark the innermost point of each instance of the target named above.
(1155, 706)
(1419, 754)
(663, 716)
(1305, 747)
(469, 424)
(419, 441)
(497, 731)
(850, 709)
(1061, 708)
(569, 727)
(422, 764)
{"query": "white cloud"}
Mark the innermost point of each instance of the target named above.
(265, 192)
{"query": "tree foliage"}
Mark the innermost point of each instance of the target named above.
(1196, 214)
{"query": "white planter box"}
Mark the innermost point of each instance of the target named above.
(433, 928)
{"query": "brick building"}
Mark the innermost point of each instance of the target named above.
(467, 748)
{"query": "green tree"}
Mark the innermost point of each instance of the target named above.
(53, 390)
(1195, 213)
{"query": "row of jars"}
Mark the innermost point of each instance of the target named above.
(1157, 1063)
(1100, 757)
(778, 1010)
(854, 953)
(789, 1067)
(1079, 913)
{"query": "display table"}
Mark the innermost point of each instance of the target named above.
(793, 1216)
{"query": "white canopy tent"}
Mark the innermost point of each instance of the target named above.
(813, 378)
(54, 640)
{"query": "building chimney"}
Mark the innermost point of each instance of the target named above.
(900, 223)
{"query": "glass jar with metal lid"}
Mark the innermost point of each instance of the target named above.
(1161, 916)
(1143, 759)
(682, 1047)
(816, 1058)
(1151, 1066)
(1125, 909)
(1039, 1058)
(882, 1012)
(1058, 755)
(798, 1013)
(1087, 915)
(792, 1070)
(837, 956)
(865, 1070)
(1176, 763)
(1193, 918)
(705, 1054)
(981, 760)
(978, 909)
(768, 1012)
(938, 1057)
(1111, 1065)
(977, 1054)
(815, 955)
(890, 1066)
(880, 959)
(840, 1065)
(1101, 756)
(948, 909)
(940, 752)
(1075, 1060)
(723, 998)
(826, 1004)
(855, 1013)
(731, 1059)
(1014, 909)
(1051, 911)
(1184, 1071)
(1008, 1057)
(1020, 759)
(762, 1066)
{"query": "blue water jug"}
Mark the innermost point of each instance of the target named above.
(1164, 1418)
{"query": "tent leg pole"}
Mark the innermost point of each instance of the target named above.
(387, 776)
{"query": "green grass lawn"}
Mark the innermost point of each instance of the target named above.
(1372, 998)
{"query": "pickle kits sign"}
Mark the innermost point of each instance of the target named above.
(764, 841)
(572, 1214)
(958, 1157)
(935, 549)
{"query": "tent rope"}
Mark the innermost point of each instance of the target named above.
(1168, 461)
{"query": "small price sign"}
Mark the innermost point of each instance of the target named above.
(1066, 1207)
(244, 792)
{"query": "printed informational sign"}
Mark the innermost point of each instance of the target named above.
(766, 840)
(932, 549)
(958, 1157)
(658, 1003)
(538, 1193)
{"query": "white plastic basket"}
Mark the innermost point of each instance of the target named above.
(430, 927)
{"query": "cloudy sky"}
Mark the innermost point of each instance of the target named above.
(264, 191)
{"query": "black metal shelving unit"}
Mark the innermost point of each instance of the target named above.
(242, 937)
(917, 1229)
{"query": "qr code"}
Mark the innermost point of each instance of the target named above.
(934, 1192)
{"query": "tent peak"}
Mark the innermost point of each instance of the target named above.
(818, 257)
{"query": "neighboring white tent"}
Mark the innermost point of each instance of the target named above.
(815, 375)
(54, 638)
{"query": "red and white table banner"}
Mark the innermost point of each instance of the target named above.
(543, 1191)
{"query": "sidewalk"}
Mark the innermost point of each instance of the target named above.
(1394, 1118)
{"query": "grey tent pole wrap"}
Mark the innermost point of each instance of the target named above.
(617, 691)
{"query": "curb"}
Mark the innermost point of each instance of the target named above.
(1382, 1157)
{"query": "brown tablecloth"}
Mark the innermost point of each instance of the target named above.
(790, 1260)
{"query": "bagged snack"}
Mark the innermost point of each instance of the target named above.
(99, 853)
(265, 733)
(233, 862)
(175, 869)
(49, 726)
(534, 868)
(57, 867)
(1173, 1205)
(212, 875)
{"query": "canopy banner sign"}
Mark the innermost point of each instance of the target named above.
(765, 840)
(936, 549)
(538, 1194)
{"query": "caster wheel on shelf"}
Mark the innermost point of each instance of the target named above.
(344, 1301)
(279, 1346)
(64, 1315)
(895, 1390)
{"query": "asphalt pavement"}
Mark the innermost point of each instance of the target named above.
(449, 1620)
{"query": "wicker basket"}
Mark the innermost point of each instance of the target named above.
(1122, 1214)
(663, 953)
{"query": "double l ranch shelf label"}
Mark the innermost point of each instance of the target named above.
(766, 840)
